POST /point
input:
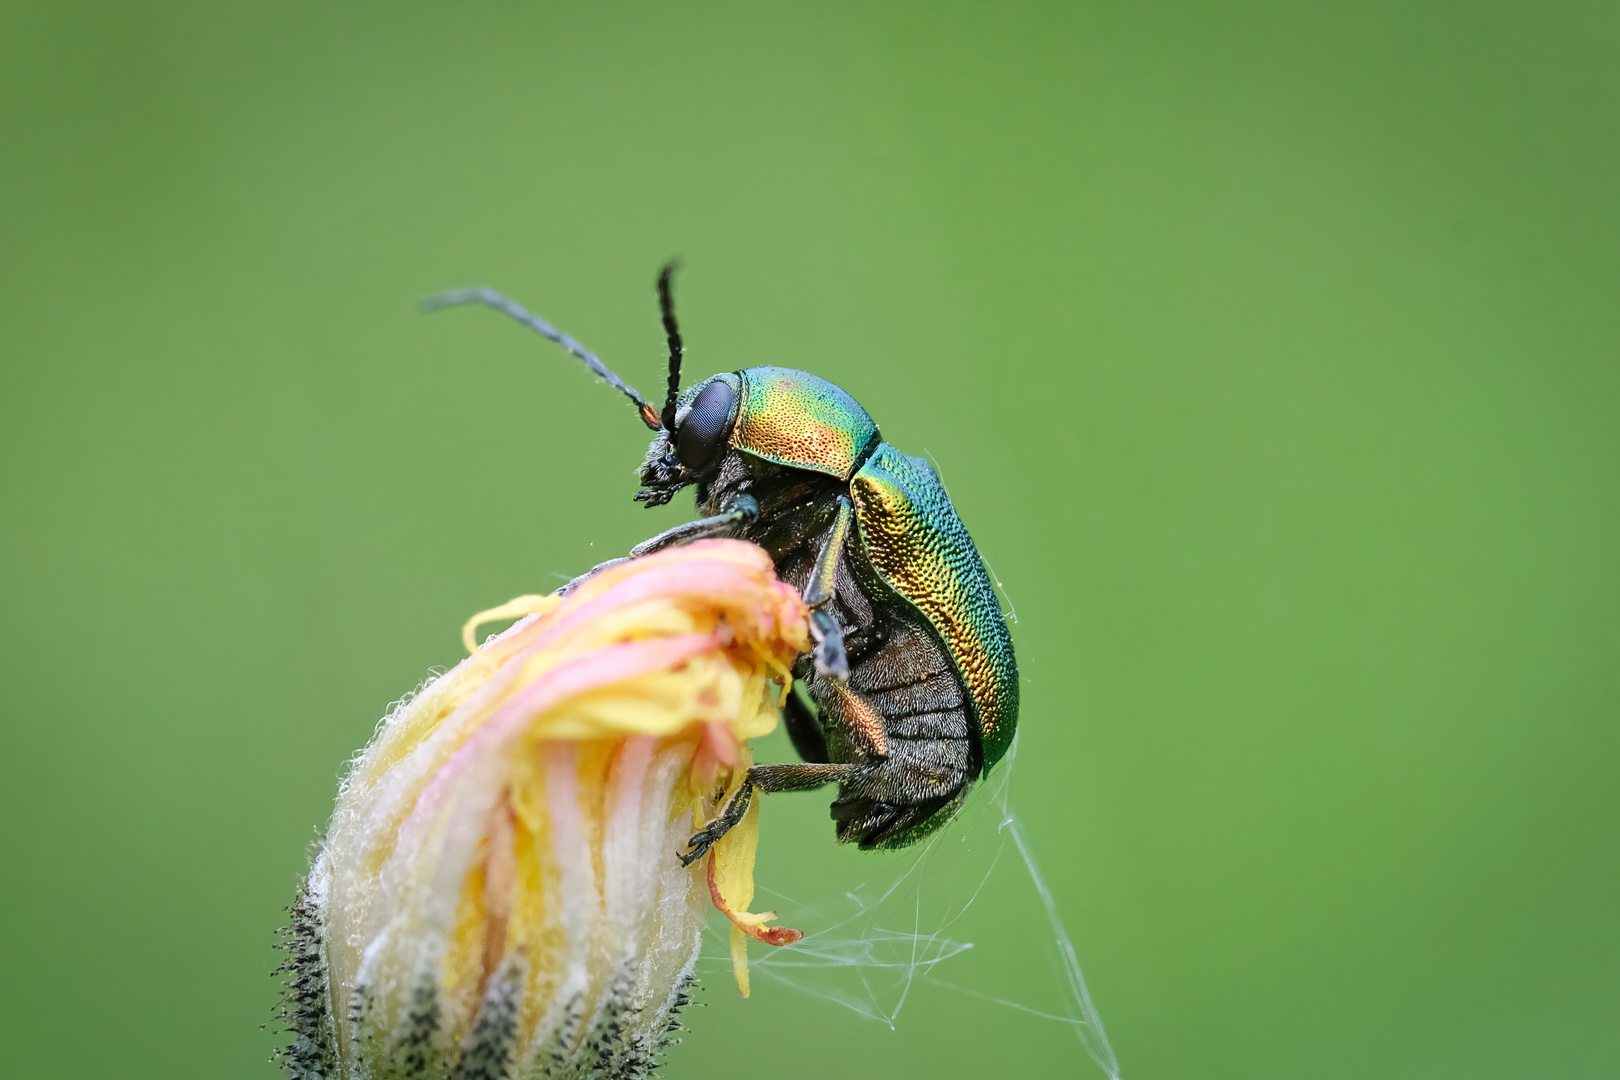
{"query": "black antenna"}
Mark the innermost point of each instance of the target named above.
(491, 298)
(666, 304)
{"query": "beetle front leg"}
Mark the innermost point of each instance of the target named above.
(743, 510)
(592, 572)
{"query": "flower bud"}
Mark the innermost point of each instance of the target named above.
(499, 893)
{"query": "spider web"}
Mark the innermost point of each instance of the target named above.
(938, 915)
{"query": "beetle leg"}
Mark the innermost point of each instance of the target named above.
(862, 720)
(819, 589)
(828, 651)
(804, 727)
(592, 572)
(788, 777)
(705, 838)
(830, 657)
(801, 775)
(743, 510)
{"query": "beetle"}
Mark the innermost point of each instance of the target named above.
(910, 692)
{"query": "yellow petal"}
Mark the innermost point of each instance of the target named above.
(512, 609)
(731, 886)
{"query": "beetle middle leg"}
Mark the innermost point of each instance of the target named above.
(829, 653)
(743, 510)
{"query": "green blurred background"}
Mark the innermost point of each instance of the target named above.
(1269, 351)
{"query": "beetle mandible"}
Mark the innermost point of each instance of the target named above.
(910, 692)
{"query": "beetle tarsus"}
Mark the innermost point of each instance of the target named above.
(828, 651)
(706, 837)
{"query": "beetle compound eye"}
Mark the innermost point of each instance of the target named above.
(704, 426)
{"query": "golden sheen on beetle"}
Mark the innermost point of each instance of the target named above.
(795, 419)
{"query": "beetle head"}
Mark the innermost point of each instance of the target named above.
(777, 415)
(696, 441)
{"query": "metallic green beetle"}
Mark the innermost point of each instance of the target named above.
(911, 691)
